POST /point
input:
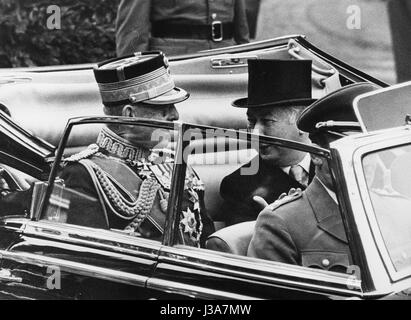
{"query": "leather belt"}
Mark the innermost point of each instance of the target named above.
(216, 31)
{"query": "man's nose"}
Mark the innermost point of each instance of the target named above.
(172, 114)
(258, 128)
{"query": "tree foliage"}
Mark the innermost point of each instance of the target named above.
(87, 32)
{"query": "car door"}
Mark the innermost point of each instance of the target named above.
(375, 182)
(46, 260)
(44, 257)
(206, 273)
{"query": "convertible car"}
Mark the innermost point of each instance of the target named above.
(44, 255)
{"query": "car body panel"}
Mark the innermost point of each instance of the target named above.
(93, 264)
(358, 208)
(244, 277)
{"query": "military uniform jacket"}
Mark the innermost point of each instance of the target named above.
(135, 18)
(306, 230)
(238, 191)
(131, 195)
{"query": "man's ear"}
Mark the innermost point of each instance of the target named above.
(317, 161)
(128, 111)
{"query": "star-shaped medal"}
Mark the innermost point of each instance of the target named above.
(189, 222)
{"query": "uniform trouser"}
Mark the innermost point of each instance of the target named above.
(183, 46)
(400, 20)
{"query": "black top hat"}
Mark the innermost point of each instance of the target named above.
(277, 83)
(140, 77)
(335, 111)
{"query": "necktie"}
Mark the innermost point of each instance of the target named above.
(298, 174)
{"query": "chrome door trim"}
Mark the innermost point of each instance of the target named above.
(192, 291)
(268, 271)
(93, 238)
(76, 267)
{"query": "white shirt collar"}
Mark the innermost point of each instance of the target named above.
(329, 191)
(305, 164)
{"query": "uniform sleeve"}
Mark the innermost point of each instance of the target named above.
(208, 224)
(76, 177)
(133, 26)
(271, 239)
(16, 202)
(241, 30)
(86, 209)
(235, 207)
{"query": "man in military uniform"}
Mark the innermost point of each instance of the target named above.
(122, 170)
(179, 27)
(278, 91)
(306, 228)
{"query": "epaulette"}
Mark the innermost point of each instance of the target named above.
(163, 155)
(84, 154)
(284, 198)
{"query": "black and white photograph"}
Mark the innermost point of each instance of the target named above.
(181, 151)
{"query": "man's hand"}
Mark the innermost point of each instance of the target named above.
(263, 204)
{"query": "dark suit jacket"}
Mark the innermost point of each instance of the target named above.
(307, 230)
(238, 191)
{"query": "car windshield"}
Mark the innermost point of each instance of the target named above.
(388, 174)
(113, 176)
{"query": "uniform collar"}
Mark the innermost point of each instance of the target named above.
(326, 211)
(119, 147)
(329, 191)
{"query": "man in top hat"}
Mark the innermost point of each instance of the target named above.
(278, 90)
(305, 228)
(129, 178)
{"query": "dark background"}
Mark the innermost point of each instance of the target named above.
(87, 31)
(86, 34)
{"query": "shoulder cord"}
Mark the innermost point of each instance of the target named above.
(129, 210)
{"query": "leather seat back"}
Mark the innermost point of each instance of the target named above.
(233, 239)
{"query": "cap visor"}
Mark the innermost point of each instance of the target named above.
(170, 97)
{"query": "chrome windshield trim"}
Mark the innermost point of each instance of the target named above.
(75, 268)
(268, 271)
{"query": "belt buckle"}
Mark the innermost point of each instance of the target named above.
(217, 31)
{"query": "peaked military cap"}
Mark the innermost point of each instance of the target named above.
(334, 112)
(140, 77)
(277, 83)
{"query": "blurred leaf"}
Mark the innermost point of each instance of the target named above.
(87, 32)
